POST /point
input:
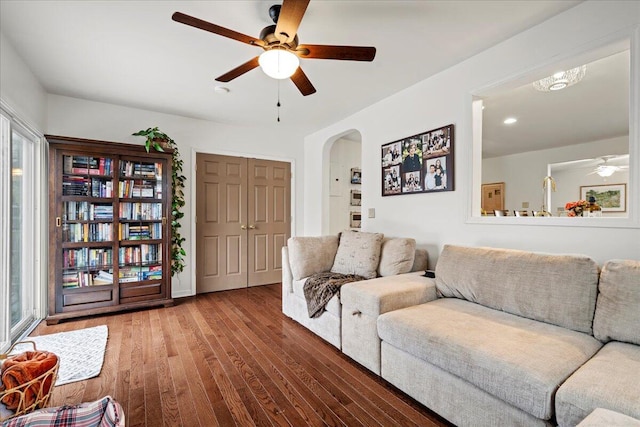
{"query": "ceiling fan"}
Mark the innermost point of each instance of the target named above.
(280, 58)
(605, 169)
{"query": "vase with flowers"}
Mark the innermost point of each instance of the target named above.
(576, 208)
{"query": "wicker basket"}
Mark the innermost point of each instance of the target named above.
(41, 400)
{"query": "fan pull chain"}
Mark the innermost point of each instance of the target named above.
(278, 104)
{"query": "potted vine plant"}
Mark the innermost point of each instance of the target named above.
(160, 141)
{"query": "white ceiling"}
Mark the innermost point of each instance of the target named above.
(131, 53)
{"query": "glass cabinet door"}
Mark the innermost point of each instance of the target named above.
(87, 221)
(141, 221)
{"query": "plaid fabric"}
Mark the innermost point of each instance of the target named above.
(101, 413)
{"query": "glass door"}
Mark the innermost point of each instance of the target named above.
(20, 249)
(141, 229)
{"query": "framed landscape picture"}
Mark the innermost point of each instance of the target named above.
(611, 198)
(420, 163)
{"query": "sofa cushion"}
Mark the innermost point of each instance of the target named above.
(618, 307)
(396, 256)
(358, 253)
(333, 306)
(603, 417)
(557, 289)
(421, 260)
(310, 255)
(611, 380)
(518, 360)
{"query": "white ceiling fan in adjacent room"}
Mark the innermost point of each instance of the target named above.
(608, 165)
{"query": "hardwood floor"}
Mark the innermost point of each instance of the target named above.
(232, 358)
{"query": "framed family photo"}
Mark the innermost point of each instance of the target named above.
(420, 163)
(611, 198)
(356, 176)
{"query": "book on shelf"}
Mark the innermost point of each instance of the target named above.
(67, 164)
(103, 278)
(101, 187)
(138, 169)
(138, 273)
(80, 164)
(141, 211)
(83, 165)
(70, 280)
(146, 191)
(80, 279)
(75, 186)
(76, 210)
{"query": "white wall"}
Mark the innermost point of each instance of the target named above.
(345, 154)
(94, 120)
(523, 173)
(441, 218)
(20, 88)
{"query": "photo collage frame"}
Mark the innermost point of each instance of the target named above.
(421, 163)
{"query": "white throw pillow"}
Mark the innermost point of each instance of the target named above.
(396, 256)
(358, 253)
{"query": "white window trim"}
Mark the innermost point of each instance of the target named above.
(35, 234)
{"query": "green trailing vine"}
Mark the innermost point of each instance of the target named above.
(159, 141)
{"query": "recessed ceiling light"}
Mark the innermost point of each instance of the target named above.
(510, 120)
(221, 89)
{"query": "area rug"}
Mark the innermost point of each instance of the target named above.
(81, 352)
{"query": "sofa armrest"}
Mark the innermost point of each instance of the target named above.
(287, 277)
(377, 296)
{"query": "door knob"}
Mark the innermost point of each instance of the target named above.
(243, 227)
(252, 227)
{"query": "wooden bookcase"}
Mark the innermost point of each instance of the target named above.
(109, 227)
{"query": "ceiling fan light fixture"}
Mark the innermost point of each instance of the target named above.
(278, 63)
(561, 79)
(605, 170)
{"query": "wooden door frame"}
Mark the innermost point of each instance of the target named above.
(193, 194)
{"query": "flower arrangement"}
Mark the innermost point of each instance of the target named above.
(576, 208)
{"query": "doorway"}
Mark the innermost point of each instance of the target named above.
(243, 219)
(493, 197)
(345, 192)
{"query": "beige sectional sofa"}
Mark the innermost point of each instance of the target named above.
(366, 254)
(502, 337)
(510, 340)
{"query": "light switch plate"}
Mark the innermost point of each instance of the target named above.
(372, 212)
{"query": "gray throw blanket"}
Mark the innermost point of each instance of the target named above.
(321, 287)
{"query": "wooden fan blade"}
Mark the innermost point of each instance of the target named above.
(240, 70)
(302, 82)
(345, 53)
(291, 14)
(216, 29)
